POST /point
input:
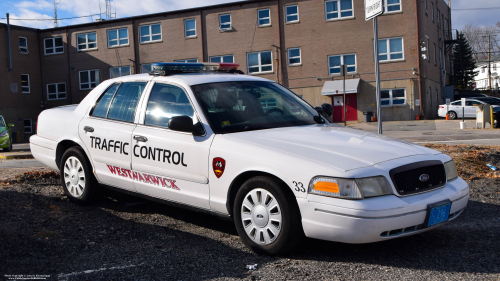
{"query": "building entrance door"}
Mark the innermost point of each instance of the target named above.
(338, 107)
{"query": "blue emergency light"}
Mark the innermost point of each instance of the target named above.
(169, 68)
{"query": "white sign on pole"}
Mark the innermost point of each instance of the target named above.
(448, 101)
(373, 8)
(463, 101)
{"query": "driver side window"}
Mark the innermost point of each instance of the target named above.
(165, 102)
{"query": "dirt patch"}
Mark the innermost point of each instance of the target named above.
(30, 176)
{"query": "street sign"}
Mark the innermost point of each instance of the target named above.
(473, 85)
(373, 8)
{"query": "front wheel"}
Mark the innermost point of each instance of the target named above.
(78, 182)
(9, 148)
(267, 220)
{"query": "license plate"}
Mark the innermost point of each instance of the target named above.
(438, 213)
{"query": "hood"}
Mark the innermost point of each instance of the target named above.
(333, 145)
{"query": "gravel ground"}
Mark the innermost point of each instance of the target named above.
(124, 238)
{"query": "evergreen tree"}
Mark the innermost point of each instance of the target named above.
(463, 63)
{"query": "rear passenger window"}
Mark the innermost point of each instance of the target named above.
(125, 101)
(101, 108)
(165, 102)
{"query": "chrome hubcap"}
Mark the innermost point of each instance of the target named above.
(261, 216)
(74, 176)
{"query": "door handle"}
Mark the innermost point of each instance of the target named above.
(88, 129)
(140, 138)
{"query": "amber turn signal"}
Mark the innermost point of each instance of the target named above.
(326, 186)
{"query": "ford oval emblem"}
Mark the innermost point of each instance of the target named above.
(424, 177)
(260, 216)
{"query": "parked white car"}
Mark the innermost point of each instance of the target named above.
(455, 108)
(249, 150)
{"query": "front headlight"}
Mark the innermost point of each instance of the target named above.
(451, 170)
(374, 186)
(3, 134)
(350, 188)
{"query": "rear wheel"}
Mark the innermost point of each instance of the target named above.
(78, 182)
(453, 115)
(266, 218)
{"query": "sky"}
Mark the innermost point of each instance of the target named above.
(44, 9)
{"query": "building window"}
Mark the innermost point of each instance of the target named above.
(227, 58)
(440, 58)
(427, 51)
(260, 62)
(435, 59)
(28, 128)
(425, 2)
(268, 104)
(294, 56)
(334, 63)
(494, 67)
(439, 18)
(338, 9)
(482, 69)
(187, 60)
(56, 91)
(429, 96)
(393, 97)
(23, 45)
(150, 33)
(118, 37)
(89, 79)
(190, 28)
(292, 13)
(87, 41)
(390, 49)
(225, 22)
(264, 17)
(119, 71)
(53, 45)
(392, 6)
(25, 83)
(432, 8)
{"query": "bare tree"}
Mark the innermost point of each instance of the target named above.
(477, 36)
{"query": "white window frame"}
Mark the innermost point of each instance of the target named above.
(22, 90)
(342, 62)
(388, 44)
(260, 63)
(150, 35)
(299, 57)
(186, 60)
(269, 17)
(391, 98)
(118, 38)
(286, 14)
(221, 58)
(339, 11)
(86, 41)
(57, 93)
(230, 22)
(21, 51)
(88, 75)
(26, 127)
(186, 30)
(53, 46)
(386, 7)
(120, 70)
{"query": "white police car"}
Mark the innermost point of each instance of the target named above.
(248, 149)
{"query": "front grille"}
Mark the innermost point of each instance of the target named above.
(411, 178)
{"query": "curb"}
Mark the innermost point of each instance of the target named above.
(18, 156)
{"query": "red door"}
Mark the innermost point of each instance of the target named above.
(338, 108)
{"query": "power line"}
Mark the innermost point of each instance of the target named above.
(491, 8)
(53, 18)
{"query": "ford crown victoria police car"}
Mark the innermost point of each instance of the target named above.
(246, 148)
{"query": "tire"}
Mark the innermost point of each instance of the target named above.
(453, 115)
(270, 225)
(77, 179)
(8, 148)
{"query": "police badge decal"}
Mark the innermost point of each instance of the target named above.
(218, 164)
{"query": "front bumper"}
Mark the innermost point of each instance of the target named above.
(376, 219)
(4, 142)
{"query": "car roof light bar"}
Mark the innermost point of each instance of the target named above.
(170, 68)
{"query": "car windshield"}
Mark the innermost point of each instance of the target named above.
(2, 123)
(243, 106)
(489, 101)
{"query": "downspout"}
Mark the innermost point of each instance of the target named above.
(418, 63)
(68, 44)
(8, 42)
(40, 64)
(201, 37)
(136, 62)
(280, 65)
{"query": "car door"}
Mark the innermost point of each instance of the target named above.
(107, 133)
(470, 109)
(456, 106)
(170, 165)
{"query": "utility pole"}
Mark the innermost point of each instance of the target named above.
(489, 62)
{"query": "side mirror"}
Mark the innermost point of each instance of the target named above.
(10, 125)
(320, 110)
(327, 109)
(185, 124)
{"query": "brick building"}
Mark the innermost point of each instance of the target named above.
(301, 44)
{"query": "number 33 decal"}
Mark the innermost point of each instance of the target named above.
(299, 186)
